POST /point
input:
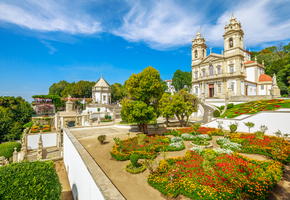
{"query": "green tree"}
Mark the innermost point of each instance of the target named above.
(180, 79)
(117, 92)
(82, 89)
(58, 88)
(138, 111)
(166, 106)
(145, 87)
(68, 90)
(184, 105)
(14, 113)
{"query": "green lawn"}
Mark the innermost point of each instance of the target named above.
(254, 107)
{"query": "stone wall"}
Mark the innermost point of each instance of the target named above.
(250, 98)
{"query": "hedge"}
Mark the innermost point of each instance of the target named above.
(29, 180)
(7, 149)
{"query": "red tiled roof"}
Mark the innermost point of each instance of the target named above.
(249, 62)
(170, 80)
(264, 77)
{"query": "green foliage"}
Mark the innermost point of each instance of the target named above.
(99, 109)
(216, 113)
(209, 159)
(166, 108)
(58, 88)
(230, 105)
(135, 170)
(141, 139)
(249, 125)
(222, 107)
(117, 92)
(29, 180)
(102, 138)
(233, 127)
(134, 159)
(7, 149)
(259, 135)
(106, 116)
(117, 140)
(145, 89)
(180, 79)
(14, 113)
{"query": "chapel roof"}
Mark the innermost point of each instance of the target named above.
(170, 80)
(249, 62)
(264, 77)
(102, 83)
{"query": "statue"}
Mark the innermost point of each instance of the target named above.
(77, 119)
(172, 89)
(94, 98)
(69, 98)
(274, 80)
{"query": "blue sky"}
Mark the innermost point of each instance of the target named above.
(43, 42)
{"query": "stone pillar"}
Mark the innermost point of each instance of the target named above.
(101, 97)
(15, 155)
(91, 117)
(59, 138)
(39, 148)
(69, 106)
(77, 123)
(238, 87)
(24, 146)
(99, 120)
(225, 87)
(114, 115)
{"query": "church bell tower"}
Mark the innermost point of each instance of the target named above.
(233, 37)
(198, 48)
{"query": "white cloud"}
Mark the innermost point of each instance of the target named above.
(49, 46)
(166, 24)
(161, 25)
(49, 15)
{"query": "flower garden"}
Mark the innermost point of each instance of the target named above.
(230, 175)
(255, 107)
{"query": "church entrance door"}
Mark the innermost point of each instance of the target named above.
(211, 90)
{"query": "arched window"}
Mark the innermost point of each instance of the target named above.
(203, 53)
(231, 42)
(195, 53)
(211, 70)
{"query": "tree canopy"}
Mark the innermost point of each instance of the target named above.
(117, 92)
(144, 88)
(180, 79)
(14, 113)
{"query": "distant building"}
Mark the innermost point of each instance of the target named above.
(231, 72)
(170, 87)
(101, 92)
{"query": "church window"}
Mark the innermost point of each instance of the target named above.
(233, 87)
(195, 53)
(231, 27)
(262, 87)
(231, 69)
(196, 90)
(219, 70)
(203, 53)
(196, 75)
(211, 70)
(104, 98)
(203, 73)
(231, 42)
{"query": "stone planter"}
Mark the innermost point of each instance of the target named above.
(206, 147)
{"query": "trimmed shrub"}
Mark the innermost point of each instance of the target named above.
(229, 106)
(102, 138)
(29, 180)
(134, 159)
(141, 139)
(259, 135)
(209, 159)
(222, 107)
(216, 113)
(6, 149)
(106, 116)
(233, 127)
(135, 170)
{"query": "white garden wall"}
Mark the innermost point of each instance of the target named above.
(48, 140)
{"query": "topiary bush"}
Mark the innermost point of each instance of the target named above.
(222, 107)
(134, 159)
(209, 159)
(233, 127)
(29, 180)
(102, 138)
(141, 139)
(259, 135)
(106, 116)
(7, 149)
(216, 113)
(230, 105)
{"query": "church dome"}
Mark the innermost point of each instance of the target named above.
(264, 77)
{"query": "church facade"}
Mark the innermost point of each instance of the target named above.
(101, 92)
(231, 73)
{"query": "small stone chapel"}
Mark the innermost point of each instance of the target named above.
(101, 92)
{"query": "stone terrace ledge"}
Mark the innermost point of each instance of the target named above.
(107, 188)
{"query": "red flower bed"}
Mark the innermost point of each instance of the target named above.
(204, 130)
